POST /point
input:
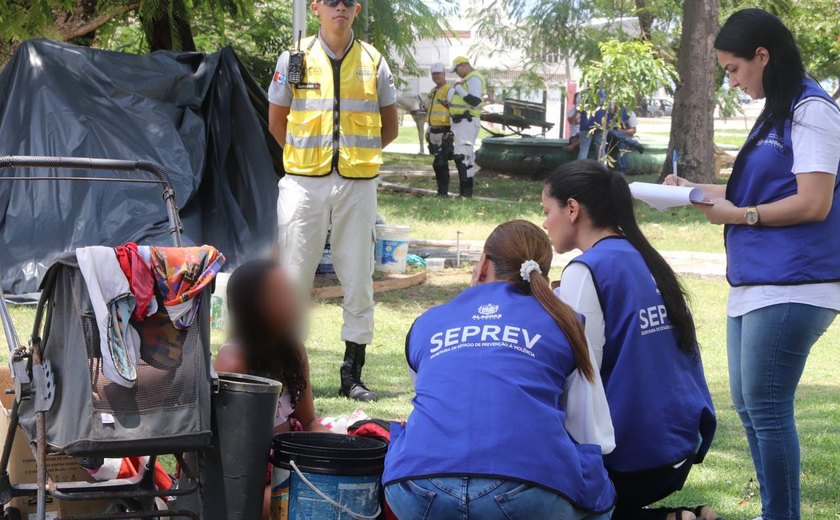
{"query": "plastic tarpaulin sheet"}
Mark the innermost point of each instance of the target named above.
(201, 116)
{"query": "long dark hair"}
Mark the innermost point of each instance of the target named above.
(608, 202)
(747, 30)
(267, 353)
(508, 247)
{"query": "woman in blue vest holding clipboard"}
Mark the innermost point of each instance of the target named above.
(494, 434)
(781, 214)
(641, 331)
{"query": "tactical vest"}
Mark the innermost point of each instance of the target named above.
(458, 106)
(347, 92)
(438, 112)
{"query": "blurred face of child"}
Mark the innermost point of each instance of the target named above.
(280, 304)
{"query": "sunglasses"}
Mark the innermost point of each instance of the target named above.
(334, 3)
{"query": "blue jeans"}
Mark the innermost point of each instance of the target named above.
(624, 143)
(767, 351)
(465, 498)
(586, 140)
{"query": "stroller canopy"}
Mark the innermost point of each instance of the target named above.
(201, 116)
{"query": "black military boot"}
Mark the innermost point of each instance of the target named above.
(442, 176)
(351, 373)
(468, 188)
(464, 181)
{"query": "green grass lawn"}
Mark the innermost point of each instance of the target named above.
(683, 229)
(722, 137)
(722, 481)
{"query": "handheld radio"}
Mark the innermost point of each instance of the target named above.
(296, 64)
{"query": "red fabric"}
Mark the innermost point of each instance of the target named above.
(370, 428)
(140, 278)
(131, 466)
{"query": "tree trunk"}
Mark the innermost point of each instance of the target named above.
(168, 27)
(692, 121)
(85, 18)
(645, 18)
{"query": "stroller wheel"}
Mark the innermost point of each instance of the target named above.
(12, 513)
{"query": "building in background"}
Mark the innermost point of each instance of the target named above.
(501, 69)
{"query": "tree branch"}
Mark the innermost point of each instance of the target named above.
(69, 30)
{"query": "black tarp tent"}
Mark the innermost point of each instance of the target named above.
(201, 116)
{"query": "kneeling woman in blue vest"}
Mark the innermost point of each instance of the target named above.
(489, 436)
(641, 331)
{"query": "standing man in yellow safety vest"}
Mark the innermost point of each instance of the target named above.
(465, 103)
(439, 131)
(333, 109)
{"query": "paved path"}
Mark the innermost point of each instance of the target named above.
(711, 265)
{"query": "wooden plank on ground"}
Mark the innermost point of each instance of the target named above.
(391, 283)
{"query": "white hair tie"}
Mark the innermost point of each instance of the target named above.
(528, 267)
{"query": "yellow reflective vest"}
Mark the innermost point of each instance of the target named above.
(438, 112)
(313, 148)
(458, 106)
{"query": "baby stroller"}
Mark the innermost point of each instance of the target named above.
(65, 405)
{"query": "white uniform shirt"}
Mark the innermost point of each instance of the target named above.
(815, 135)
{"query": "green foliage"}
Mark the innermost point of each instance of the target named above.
(815, 24)
(22, 19)
(394, 26)
(258, 37)
(626, 70)
(727, 102)
(536, 29)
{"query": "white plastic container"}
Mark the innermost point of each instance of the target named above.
(391, 248)
(435, 264)
(218, 305)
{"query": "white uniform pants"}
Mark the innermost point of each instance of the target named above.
(466, 132)
(306, 207)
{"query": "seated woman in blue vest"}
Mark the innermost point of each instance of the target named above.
(642, 334)
(489, 436)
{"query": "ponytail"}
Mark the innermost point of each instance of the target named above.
(609, 204)
(521, 255)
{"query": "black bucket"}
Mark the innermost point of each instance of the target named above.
(236, 462)
(346, 469)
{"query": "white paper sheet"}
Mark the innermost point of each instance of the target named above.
(662, 197)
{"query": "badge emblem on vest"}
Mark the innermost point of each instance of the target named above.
(364, 72)
(488, 311)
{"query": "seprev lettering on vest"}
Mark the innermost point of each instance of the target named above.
(654, 319)
(642, 365)
(476, 371)
(484, 336)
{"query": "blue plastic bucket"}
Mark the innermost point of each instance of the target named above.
(330, 476)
